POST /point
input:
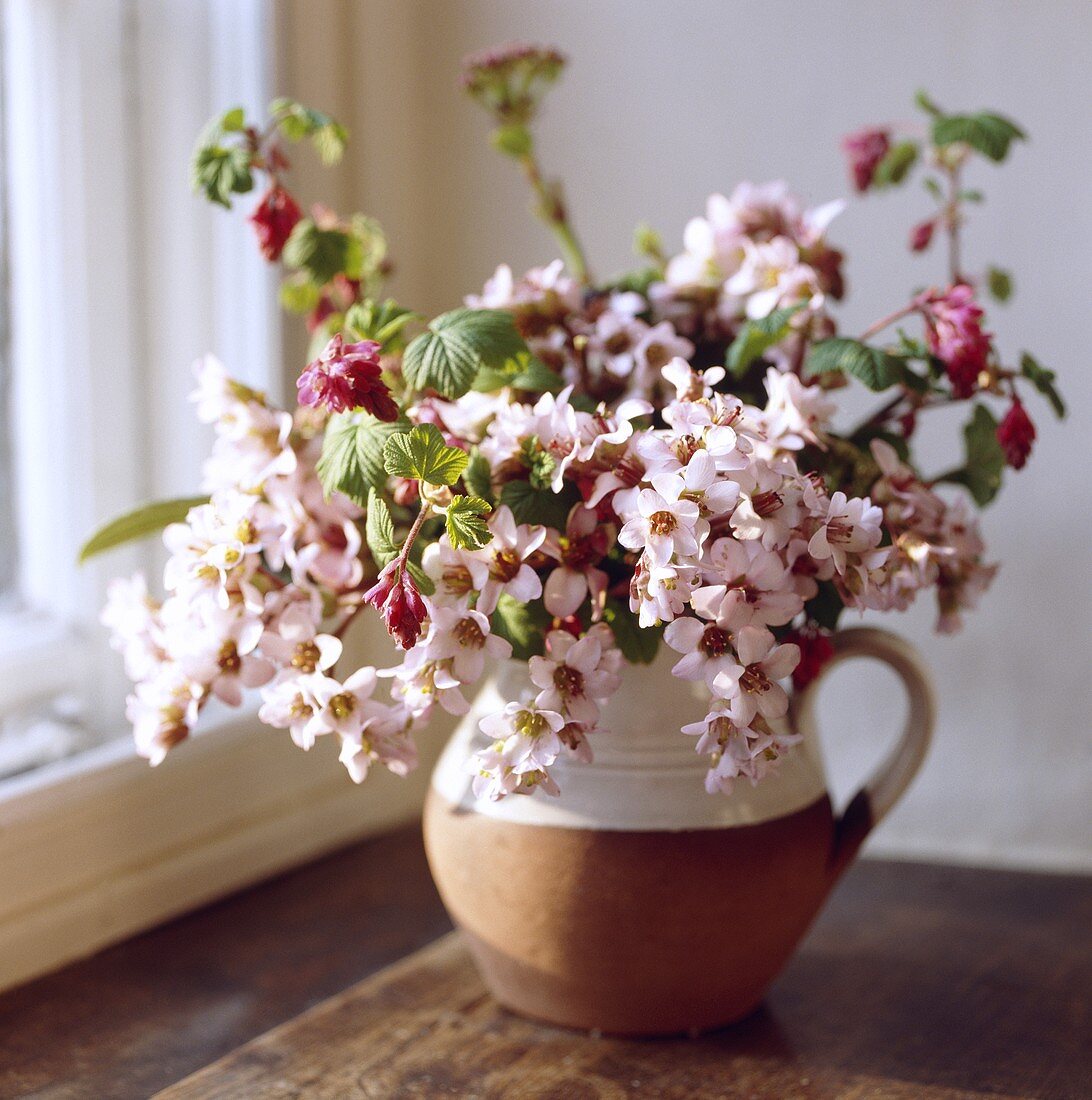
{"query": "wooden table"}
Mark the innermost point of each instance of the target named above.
(917, 981)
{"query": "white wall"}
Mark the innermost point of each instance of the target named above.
(667, 101)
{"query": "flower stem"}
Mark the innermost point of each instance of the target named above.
(551, 209)
(890, 319)
(952, 220)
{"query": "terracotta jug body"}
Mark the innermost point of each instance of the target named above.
(635, 903)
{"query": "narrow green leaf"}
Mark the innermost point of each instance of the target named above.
(757, 337)
(1043, 380)
(876, 368)
(987, 133)
(922, 99)
(896, 164)
(352, 454)
(148, 519)
(421, 453)
(466, 526)
(379, 529)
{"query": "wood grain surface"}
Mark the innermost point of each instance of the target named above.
(917, 981)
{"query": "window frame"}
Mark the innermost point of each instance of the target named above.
(99, 846)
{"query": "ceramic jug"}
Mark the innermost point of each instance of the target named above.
(634, 902)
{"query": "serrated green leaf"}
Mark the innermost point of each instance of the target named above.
(876, 368)
(539, 462)
(538, 506)
(148, 519)
(296, 122)
(221, 171)
(987, 133)
(421, 453)
(379, 530)
(896, 164)
(757, 337)
(477, 477)
(352, 454)
(985, 460)
(322, 253)
(456, 346)
(523, 625)
(466, 526)
(999, 284)
(639, 645)
(1043, 380)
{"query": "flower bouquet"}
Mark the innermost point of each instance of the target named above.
(574, 473)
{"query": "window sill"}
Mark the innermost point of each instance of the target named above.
(101, 846)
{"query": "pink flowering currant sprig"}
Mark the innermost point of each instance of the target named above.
(422, 456)
(509, 83)
(332, 263)
(884, 156)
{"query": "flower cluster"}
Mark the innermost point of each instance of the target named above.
(570, 474)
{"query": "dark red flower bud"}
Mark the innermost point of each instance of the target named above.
(1016, 433)
(921, 235)
(273, 219)
(864, 150)
(396, 598)
(816, 650)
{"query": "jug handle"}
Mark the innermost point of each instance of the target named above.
(886, 785)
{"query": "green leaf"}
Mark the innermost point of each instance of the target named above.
(985, 459)
(299, 295)
(352, 454)
(141, 522)
(382, 322)
(539, 462)
(466, 526)
(756, 337)
(1043, 380)
(989, 134)
(322, 253)
(379, 530)
(477, 476)
(233, 120)
(896, 164)
(638, 644)
(921, 98)
(524, 372)
(523, 625)
(513, 140)
(876, 368)
(421, 453)
(297, 122)
(537, 506)
(825, 607)
(999, 284)
(456, 346)
(221, 171)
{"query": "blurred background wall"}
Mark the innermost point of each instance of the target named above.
(664, 103)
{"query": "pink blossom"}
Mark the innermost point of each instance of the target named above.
(954, 333)
(752, 686)
(347, 376)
